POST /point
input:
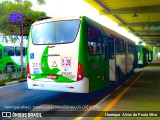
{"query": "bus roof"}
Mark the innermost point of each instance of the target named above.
(110, 32)
(56, 19)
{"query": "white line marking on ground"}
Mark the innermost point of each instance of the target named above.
(11, 85)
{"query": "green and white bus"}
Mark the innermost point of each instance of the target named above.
(76, 54)
(150, 55)
(145, 55)
(10, 56)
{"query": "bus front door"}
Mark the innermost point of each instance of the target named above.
(98, 66)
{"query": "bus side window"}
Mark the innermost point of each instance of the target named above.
(91, 48)
(9, 51)
(0, 53)
(111, 47)
(6, 53)
(26, 51)
(94, 48)
(94, 41)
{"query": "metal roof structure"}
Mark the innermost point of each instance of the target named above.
(140, 17)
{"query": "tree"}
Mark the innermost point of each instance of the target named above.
(40, 2)
(29, 16)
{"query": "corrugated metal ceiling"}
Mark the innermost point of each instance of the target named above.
(141, 17)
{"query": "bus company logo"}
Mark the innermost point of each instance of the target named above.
(6, 114)
(31, 55)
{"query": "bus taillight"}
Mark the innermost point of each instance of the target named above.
(80, 73)
(28, 71)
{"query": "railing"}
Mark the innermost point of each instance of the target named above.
(10, 72)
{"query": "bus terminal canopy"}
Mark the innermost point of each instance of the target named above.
(140, 17)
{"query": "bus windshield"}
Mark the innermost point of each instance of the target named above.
(56, 32)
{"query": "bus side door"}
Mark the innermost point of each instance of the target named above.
(95, 67)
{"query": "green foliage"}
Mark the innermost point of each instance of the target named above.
(41, 2)
(3, 81)
(29, 15)
(10, 74)
(22, 74)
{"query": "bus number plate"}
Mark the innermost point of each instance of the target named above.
(52, 76)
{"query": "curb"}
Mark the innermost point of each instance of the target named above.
(13, 82)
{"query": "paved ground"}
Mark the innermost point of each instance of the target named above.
(139, 97)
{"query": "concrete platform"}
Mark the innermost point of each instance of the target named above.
(137, 99)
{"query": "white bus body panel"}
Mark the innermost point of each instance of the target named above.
(81, 86)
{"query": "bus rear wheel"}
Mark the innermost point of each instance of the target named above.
(10, 67)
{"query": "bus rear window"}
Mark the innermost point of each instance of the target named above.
(55, 32)
(9, 51)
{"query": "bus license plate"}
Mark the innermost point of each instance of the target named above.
(52, 76)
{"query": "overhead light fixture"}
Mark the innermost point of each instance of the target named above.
(134, 15)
